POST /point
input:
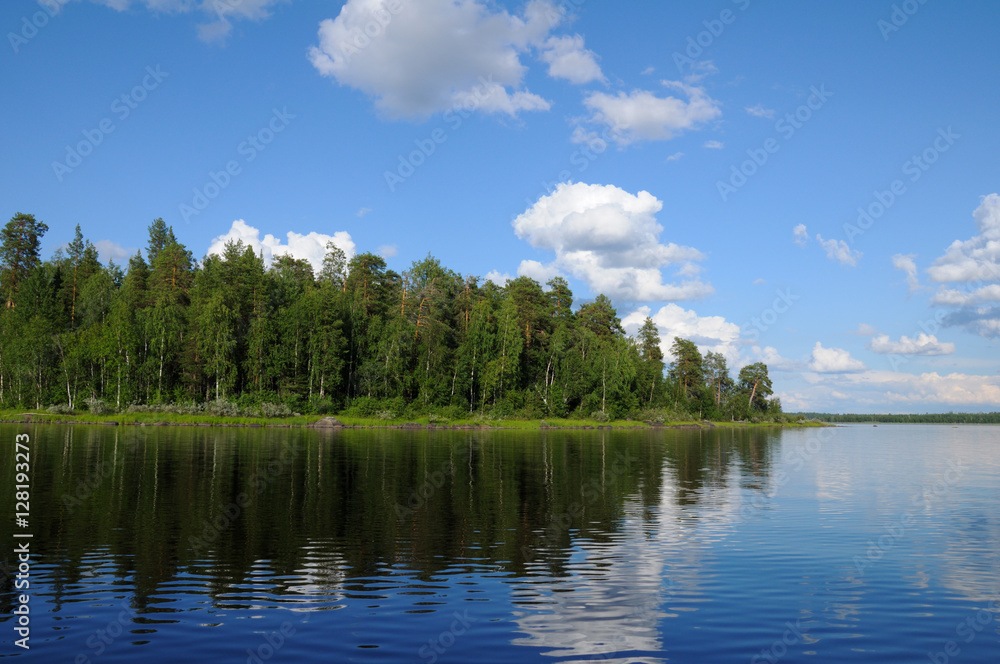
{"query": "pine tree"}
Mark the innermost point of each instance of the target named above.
(20, 241)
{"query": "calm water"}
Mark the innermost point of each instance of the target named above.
(168, 544)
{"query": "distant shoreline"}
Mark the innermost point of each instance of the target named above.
(330, 423)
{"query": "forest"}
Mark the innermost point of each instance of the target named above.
(907, 418)
(233, 335)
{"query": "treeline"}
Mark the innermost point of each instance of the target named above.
(357, 336)
(913, 418)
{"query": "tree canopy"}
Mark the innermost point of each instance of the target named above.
(356, 336)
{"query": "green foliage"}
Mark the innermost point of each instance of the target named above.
(20, 240)
(230, 337)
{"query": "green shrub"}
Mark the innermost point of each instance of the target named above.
(268, 409)
(97, 406)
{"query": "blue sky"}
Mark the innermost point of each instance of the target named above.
(701, 163)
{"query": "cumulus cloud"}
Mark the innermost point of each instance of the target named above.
(923, 344)
(108, 250)
(893, 390)
(640, 115)
(568, 59)
(800, 235)
(221, 12)
(865, 330)
(497, 277)
(774, 361)
(610, 239)
(976, 259)
(387, 250)
(968, 274)
(839, 251)
(537, 271)
(906, 263)
(420, 57)
(311, 246)
(759, 111)
(709, 333)
(833, 360)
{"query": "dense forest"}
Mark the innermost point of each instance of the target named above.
(235, 335)
(908, 418)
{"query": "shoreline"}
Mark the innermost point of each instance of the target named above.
(330, 423)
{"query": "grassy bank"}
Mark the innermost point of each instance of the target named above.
(175, 419)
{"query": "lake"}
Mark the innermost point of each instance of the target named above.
(855, 543)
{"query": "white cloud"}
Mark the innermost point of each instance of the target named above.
(429, 56)
(800, 235)
(714, 145)
(111, 250)
(957, 298)
(906, 263)
(568, 59)
(759, 111)
(610, 239)
(923, 344)
(865, 330)
(675, 156)
(976, 259)
(894, 391)
(363, 211)
(974, 263)
(648, 70)
(642, 116)
(709, 333)
(537, 271)
(311, 246)
(839, 251)
(774, 361)
(387, 250)
(833, 360)
(222, 12)
(498, 278)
